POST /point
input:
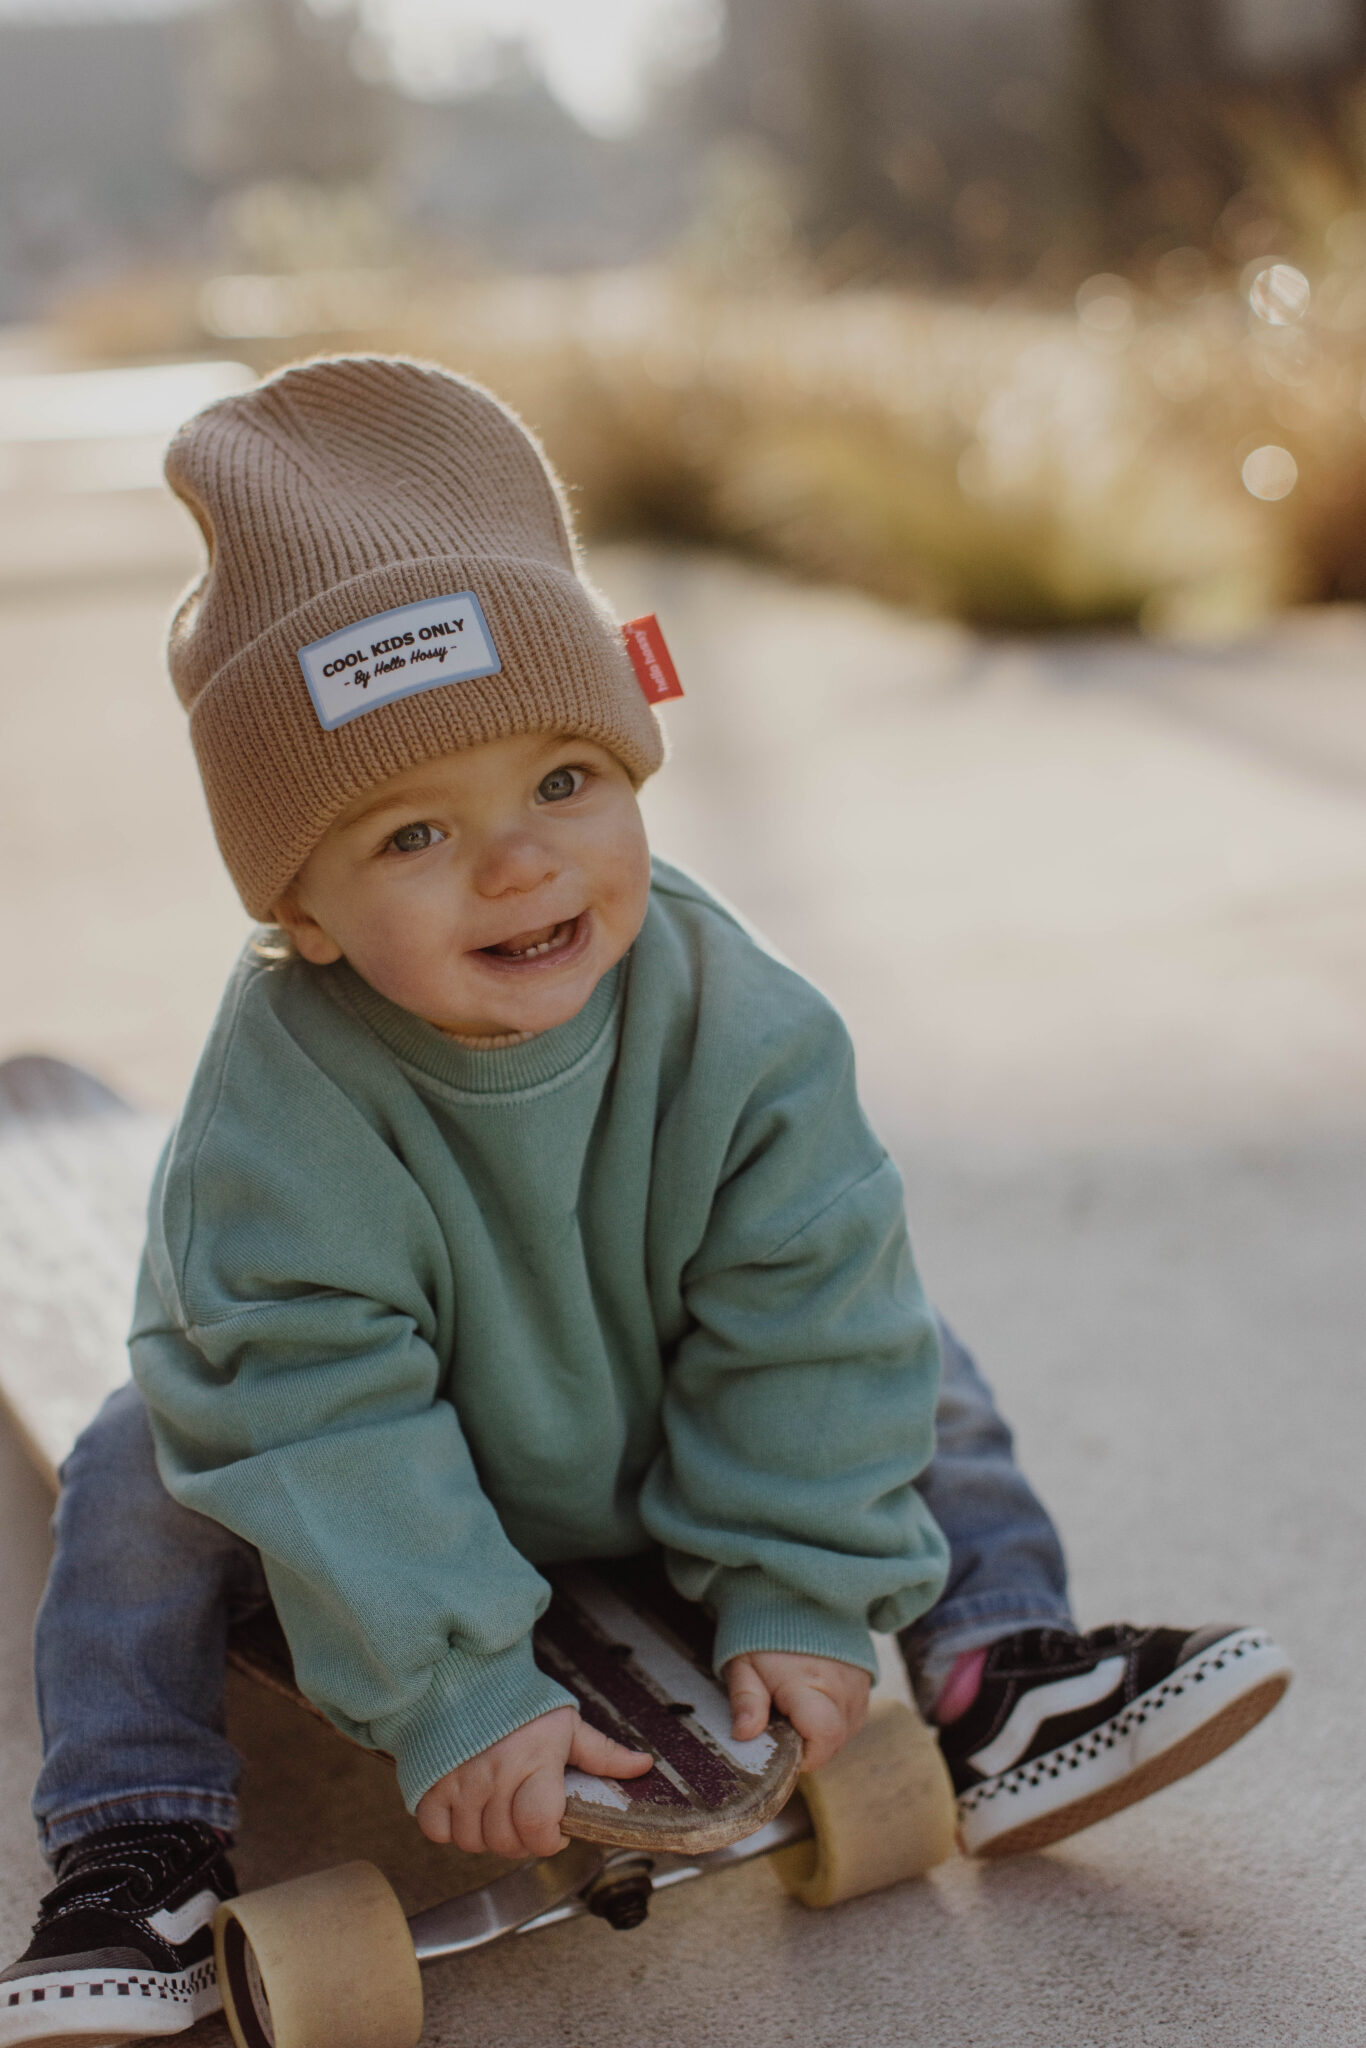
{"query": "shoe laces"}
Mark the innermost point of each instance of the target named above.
(1049, 1648)
(123, 1869)
(1114, 1635)
(1045, 1646)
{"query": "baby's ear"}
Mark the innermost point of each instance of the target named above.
(311, 942)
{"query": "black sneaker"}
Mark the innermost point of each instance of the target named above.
(123, 1943)
(1069, 1728)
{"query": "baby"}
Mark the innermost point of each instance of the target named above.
(521, 1209)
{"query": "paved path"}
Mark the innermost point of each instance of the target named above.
(1097, 915)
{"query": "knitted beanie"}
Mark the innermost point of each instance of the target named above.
(391, 576)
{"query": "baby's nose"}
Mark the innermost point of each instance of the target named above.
(514, 861)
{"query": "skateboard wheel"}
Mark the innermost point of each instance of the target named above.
(320, 1962)
(881, 1811)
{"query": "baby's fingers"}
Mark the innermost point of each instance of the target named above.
(536, 1812)
(750, 1699)
(470, 1820)
(596, 1753)
(433, 1814)
(820, 1721)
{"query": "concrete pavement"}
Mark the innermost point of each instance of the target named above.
(1095, 913)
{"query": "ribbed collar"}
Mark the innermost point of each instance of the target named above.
(429, 1055)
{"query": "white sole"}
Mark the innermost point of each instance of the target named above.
(99, 2008)
(1206, 1705)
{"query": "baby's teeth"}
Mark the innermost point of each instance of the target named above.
(549, 945)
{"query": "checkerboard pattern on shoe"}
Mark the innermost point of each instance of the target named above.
(1068, 1728)
(123, 1943)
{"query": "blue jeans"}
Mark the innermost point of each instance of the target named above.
(132, 1633)
(1006, 1566)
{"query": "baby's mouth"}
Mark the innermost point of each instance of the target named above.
(550, 938)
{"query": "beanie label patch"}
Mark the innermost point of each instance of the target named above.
(396, 654)
(651, 660)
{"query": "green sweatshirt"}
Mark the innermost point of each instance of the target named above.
(414, 1319)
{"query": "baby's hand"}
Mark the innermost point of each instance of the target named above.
(510, 1798)
(826, 1701)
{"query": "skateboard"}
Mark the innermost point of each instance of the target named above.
(330, 1960)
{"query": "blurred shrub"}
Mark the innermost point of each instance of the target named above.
(1192, 455)
(1011, 466)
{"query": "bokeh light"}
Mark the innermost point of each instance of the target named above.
(1279, 294)
(1270, 473)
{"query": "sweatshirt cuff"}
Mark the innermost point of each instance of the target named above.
(472, 1701)
(755, 1612)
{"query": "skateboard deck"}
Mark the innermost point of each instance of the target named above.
(75, 1166)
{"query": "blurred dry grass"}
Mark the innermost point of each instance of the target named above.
(1191, 454)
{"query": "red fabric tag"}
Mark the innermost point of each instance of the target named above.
(650, 658)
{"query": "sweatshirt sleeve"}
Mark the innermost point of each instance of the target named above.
(287, 1341)
(800, 1400)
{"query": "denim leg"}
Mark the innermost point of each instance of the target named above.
(131, 1643)
(1006, 1567)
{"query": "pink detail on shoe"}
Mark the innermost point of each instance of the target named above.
(960, 1688)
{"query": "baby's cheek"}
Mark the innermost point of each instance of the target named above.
(628, 890)
(398, 956)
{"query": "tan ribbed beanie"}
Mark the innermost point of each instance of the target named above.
(406, 520)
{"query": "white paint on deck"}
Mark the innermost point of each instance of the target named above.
(673, 1673)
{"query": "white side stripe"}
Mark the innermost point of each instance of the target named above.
(1040, 1704)
(186, 1920)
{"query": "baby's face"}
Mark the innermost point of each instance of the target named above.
(487, 891)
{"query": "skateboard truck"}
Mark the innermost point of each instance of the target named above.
(588, 1877)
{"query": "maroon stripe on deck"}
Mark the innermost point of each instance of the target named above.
(651, 1789)
(700, 1768)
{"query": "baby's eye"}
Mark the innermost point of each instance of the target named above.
(560, 783)
(415, 838)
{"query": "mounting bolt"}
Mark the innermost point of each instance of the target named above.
(620, 1894)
